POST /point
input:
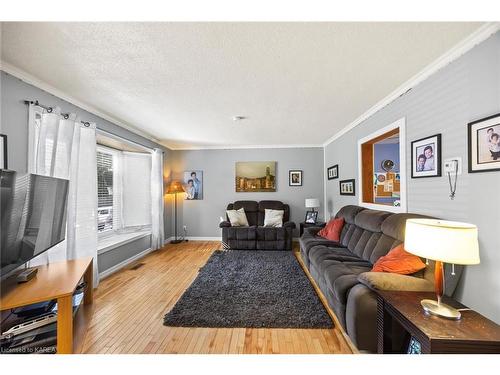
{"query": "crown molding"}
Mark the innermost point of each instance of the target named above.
(32, 80)
(478, 36)
(240, 147)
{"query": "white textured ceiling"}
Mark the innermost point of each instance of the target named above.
(298, 83)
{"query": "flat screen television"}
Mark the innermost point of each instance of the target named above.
(33, 217)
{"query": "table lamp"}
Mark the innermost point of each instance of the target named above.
(175, 187)
(312, 203)
(442, 241)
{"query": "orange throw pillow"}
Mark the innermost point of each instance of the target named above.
(332, 230)
(399, 261)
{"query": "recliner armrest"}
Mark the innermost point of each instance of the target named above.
(224, 224)
(394, 281)
(289, 224)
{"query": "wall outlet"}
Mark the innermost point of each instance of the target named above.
(449, 165)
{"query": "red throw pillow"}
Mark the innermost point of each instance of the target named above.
(399, 261)
(333, 229)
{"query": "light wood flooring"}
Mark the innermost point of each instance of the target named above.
(129, 307)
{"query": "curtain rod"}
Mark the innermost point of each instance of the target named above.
(50, 109)
(87, 124)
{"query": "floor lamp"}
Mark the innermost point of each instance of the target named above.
(175, 188)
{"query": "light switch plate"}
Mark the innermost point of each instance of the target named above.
(449, 165)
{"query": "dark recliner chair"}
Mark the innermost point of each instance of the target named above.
(256, 236)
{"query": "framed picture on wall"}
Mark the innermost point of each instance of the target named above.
(347, 187)
(3, 152)
(484, 144)
(333, 172)
(426, 157)
(193, 184)
(295, 178)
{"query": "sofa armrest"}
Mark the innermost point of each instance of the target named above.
(224, 224)
(289, 224)
(394, 281)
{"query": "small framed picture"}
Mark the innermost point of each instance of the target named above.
(295, 178)
(333, 172)
(347, 187)
(484, 144)
(426, 157)
(3, 152)
(311, 217)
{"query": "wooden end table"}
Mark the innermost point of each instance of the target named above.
(308, 225)
(473, 333)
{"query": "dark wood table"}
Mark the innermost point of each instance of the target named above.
(473, 333)
(308, 225)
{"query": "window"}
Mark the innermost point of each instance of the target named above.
(381, 169)
(104, 190)
(123, 191)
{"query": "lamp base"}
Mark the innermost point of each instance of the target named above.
(440, 309)
(175, 241)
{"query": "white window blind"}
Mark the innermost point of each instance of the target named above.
(105, 184)
(136, 194)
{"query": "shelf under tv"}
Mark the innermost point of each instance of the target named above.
(57, 281)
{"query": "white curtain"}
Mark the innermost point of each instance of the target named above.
(157, 230)
(66, 148)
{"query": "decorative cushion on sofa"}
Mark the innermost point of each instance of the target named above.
(332, 230)
(394, 281)
(238, 218)
(399, 261)
(273, 218)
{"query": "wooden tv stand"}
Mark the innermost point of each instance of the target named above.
(57, 281)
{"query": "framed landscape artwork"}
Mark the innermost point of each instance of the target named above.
(484, 144)
(347, 187)
(256, 176)
(193, 184)
(426, 157)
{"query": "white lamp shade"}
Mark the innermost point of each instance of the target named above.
(312, 202)
(445, 241)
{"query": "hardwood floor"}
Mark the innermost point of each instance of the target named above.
(130, 305)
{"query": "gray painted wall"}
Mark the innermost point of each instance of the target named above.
(218, 166)
(116, 256)
(468, 89)
(14, 123)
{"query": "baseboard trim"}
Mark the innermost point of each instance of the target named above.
(123, 264)
(194, 238)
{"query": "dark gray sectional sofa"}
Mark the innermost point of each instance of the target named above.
(256, 236)
(342, 269)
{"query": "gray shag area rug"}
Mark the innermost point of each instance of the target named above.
(250, 289)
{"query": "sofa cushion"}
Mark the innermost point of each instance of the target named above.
(399, 261)
(342, 276)
(393, 281)
(394, 225)
(237, 218)
(273, 218)
(333, 229)
(321, 256)
(272, 205)
(371, 219)
(251, 210)
(349, 213)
